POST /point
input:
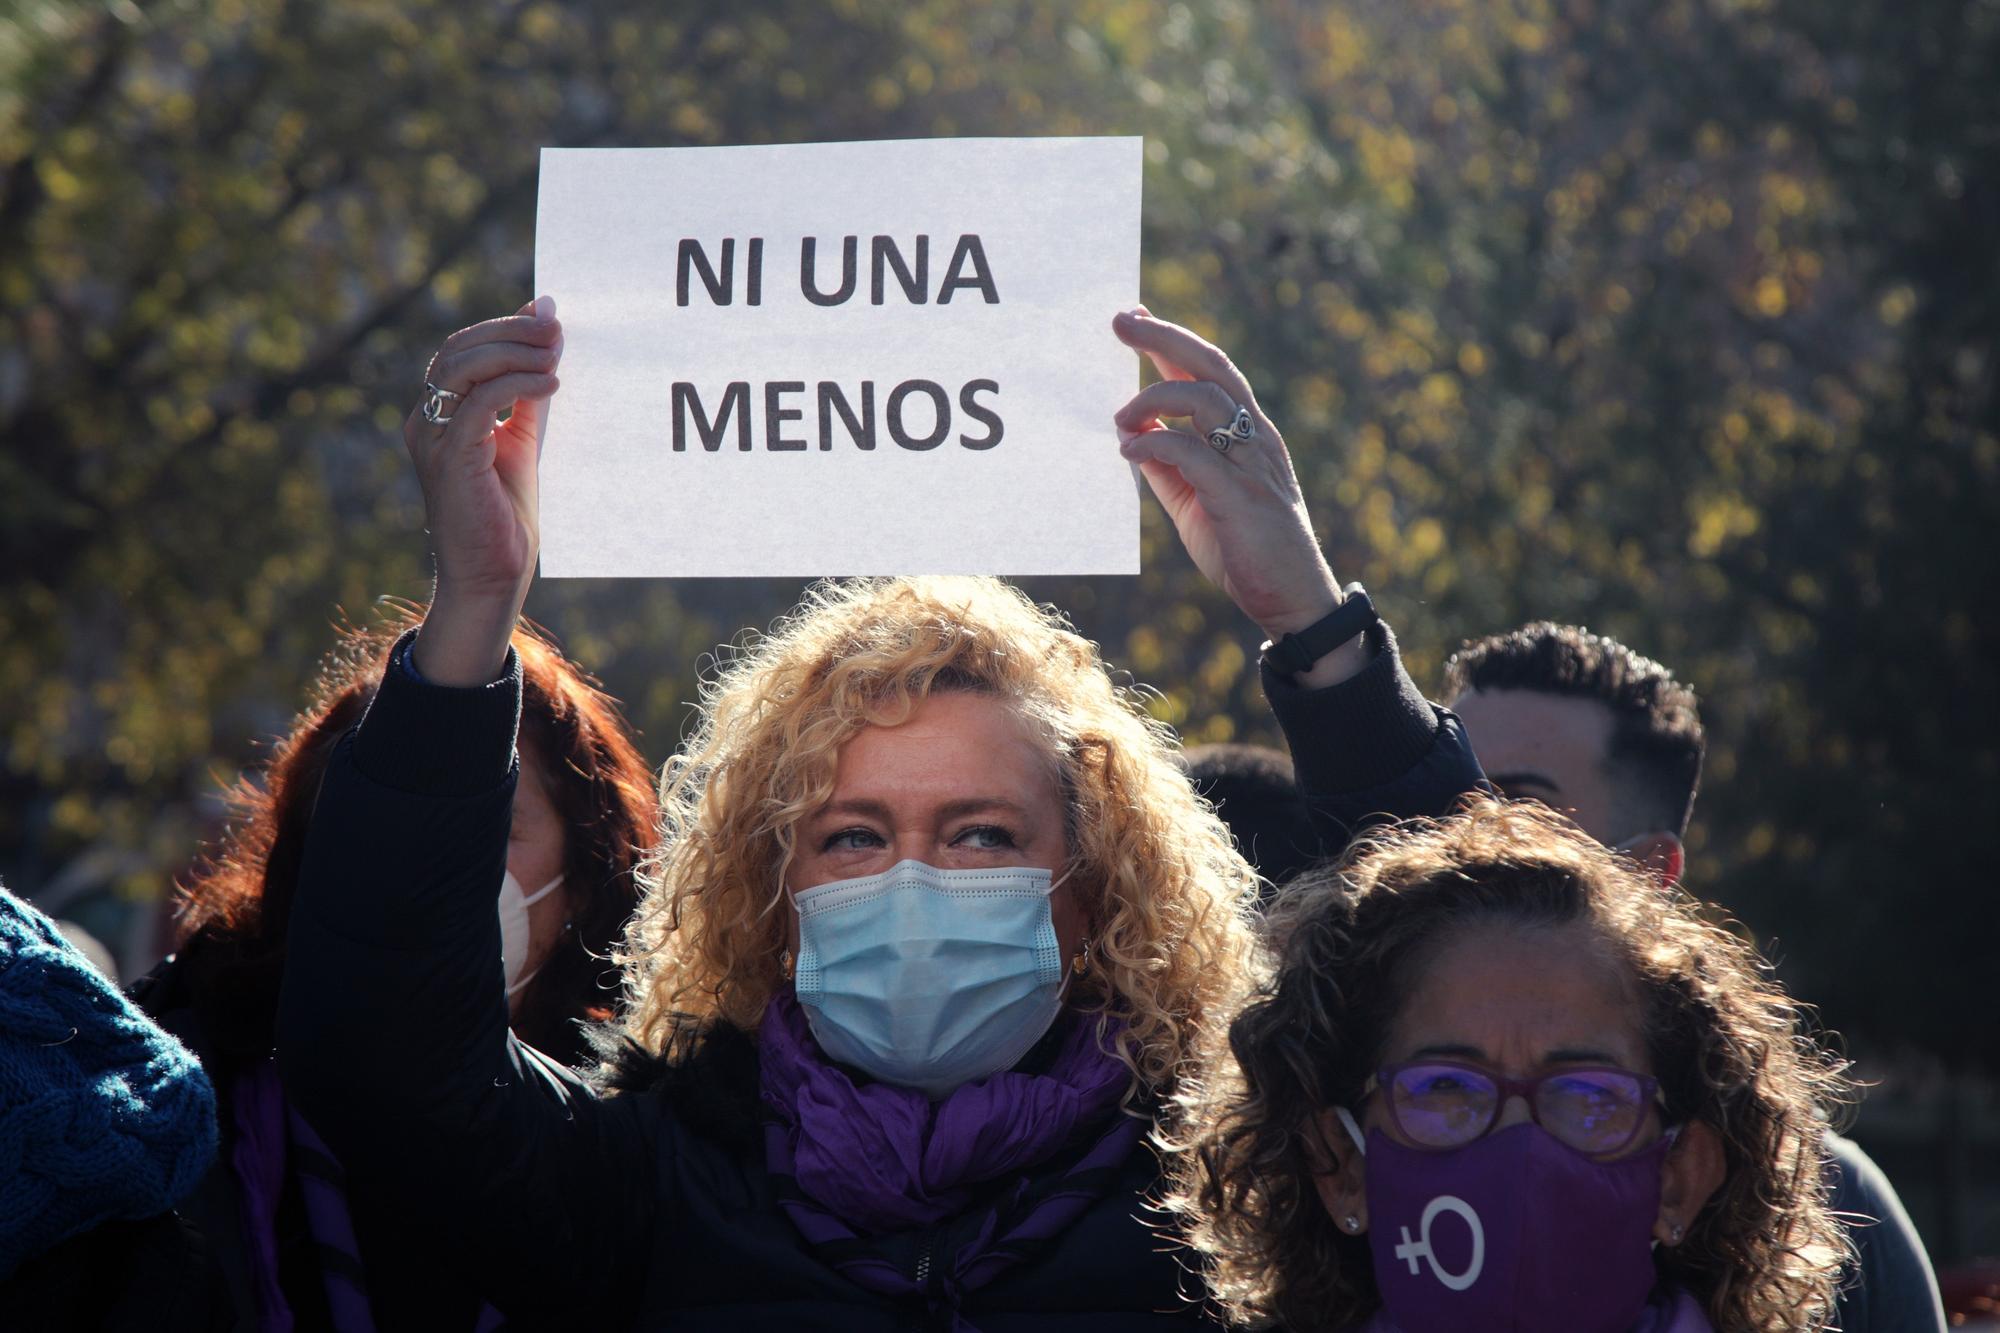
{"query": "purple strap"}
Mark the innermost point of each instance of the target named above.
(272, 1139)
(323, 1186)
(257, 1104)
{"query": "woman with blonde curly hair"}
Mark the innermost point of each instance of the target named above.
(1503, 1078)
(934, 929)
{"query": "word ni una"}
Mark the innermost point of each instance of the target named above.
(966, 269)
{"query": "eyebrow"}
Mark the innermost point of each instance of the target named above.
(1562, 1055)
(877, 810)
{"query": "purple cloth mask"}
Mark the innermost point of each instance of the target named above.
(1514, 1231)
(883, 1158)
(1668, 1312)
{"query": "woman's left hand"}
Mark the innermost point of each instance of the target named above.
(1239, 511)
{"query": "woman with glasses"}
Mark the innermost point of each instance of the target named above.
(1501, 1080)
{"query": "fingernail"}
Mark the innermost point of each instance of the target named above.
(545, 309)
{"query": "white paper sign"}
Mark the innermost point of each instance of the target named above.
(848, 358)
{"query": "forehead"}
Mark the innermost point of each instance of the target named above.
(1520, 996)
(1561, 736)
(953, 746)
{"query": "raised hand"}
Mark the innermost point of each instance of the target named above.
(1228, 485)
(482, 501)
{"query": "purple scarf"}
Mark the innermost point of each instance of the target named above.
(869, 1160)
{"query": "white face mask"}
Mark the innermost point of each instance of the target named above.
(514, 935)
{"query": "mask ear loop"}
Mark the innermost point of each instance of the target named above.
(1069, 973)
(1353, 1130)
(1671, 1134)
(529, 900)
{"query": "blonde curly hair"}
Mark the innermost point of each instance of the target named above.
(1155, 872)
(1727, 1045)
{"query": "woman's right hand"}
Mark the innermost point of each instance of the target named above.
(482, 501)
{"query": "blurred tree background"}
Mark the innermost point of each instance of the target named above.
(1673, 317)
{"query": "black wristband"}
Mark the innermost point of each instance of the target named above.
(1295, 654)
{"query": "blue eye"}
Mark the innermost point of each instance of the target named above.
(985, 838)
(851, 840)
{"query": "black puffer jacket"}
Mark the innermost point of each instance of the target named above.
(652, 1208)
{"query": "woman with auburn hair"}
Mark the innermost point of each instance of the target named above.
(1503, 1078)
(582, 822)
(932, 934)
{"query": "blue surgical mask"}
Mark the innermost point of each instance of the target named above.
(929, 978)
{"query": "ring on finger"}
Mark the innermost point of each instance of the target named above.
(434, 404)
(1241, 429)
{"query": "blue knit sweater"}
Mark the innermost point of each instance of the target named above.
(102, 1115)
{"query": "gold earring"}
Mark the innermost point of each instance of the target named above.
(785, 964)
(1080, 964)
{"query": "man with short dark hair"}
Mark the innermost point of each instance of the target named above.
(1582, 723)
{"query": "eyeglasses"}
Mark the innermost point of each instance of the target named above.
(1439, 1104)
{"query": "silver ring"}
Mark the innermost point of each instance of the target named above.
(434, 402)
(1241, 430)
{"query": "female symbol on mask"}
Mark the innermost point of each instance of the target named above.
(1412, 1250)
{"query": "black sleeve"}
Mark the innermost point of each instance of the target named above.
(392, 1020)
(1892, 1285)
(1372, 748)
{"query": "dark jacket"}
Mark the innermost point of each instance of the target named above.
(653, 1208)
(403, 1281)
(1891, 1286)
(158, 1275)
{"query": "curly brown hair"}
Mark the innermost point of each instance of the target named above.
(1728, 1047)
(235, 908)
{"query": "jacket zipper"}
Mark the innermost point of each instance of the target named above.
(925, 1287)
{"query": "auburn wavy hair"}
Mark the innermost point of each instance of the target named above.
(1726, 1044)
(1155, 872)
(235, 908)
